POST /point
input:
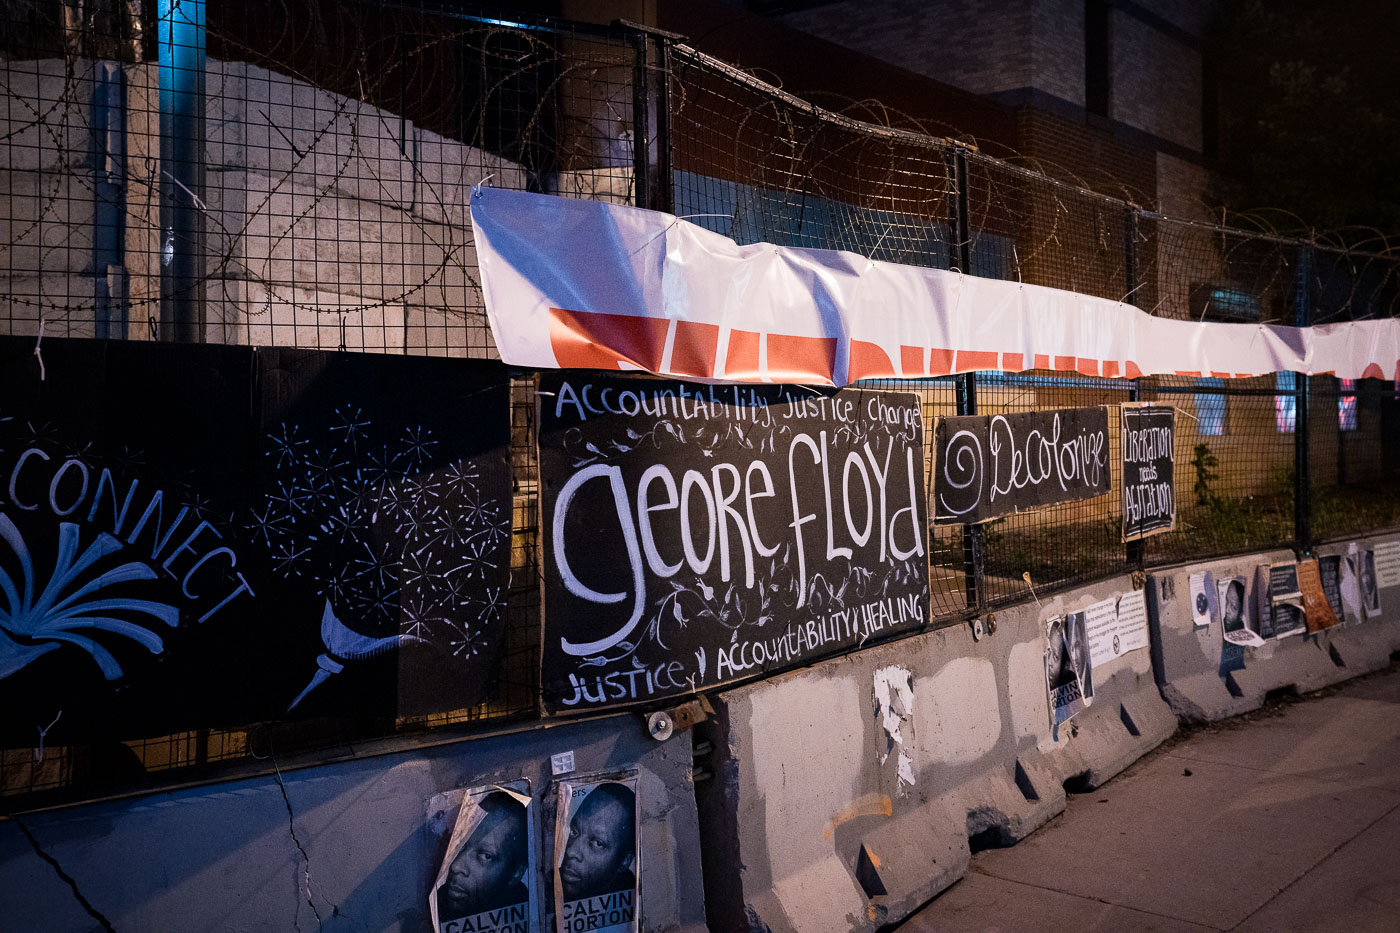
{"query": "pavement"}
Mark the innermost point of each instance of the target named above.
(1287, 818)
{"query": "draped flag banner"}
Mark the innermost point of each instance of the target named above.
(576, 284)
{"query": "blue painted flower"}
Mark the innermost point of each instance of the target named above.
(73, 603)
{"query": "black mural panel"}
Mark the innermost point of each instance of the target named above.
(695, 535)
(385, 512)
(204, 536)
(986, 466)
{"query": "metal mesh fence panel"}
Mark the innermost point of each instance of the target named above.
(1354, 456)
(1234, 465)
(758, 165)
(281, 174)
(1066, 543)
(1028, 228)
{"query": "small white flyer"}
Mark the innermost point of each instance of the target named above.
(1388, 563)
(1132, 620)
(1101, 621)
(1205, 606)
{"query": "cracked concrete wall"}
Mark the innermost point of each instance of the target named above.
(1205, 679)
(226, 856)
(808, 824)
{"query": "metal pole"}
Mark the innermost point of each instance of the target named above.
(1137, 549)
(641, 123)
(181, 78)
(974, 535)
(665, 184)
(108, 201)
(1302, 485)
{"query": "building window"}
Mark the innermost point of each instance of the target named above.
(1224, 303)
(1286, 402)
(1346, 405)
(1210, 407)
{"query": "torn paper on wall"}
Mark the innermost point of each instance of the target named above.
(894, 708)
(1317, 608)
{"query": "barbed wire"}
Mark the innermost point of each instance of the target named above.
(361, 97)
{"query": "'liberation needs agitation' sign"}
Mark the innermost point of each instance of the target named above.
(1149, 499)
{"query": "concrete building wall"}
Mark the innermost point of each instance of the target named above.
(1156, 82)
(1192, 16)
(978, 46)
(1057, 49)
(1183, 189)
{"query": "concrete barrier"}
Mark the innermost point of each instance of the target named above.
(350, 845)
(1203, 678)
(829, 809)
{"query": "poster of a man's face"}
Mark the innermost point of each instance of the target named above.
(1232, 604)
(596, 856)
(1067, 667)
(483, 883)
(1077, 638)
(1058, 663)
(1234, 612)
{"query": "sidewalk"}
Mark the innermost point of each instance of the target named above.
(1283, 819)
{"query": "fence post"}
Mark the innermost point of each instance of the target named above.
(966, 389)
(664, 196)
(1137, 549)
(1302, 484)
(651, 177)
(641, 122)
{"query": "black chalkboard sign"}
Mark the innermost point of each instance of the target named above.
(986, 466)
(1149, 496)
(206, 536)
(694, 535)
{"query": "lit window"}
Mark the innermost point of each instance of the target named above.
(1225, 303)
(1286, 402)
(1346, 405)
(1210, 408)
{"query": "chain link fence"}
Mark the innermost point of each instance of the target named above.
(297, 174)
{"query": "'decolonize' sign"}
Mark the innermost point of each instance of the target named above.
(986, 466)
(695, 534)
(202, 536)
(1149, 498)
